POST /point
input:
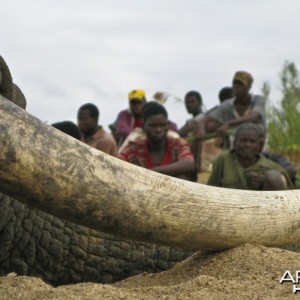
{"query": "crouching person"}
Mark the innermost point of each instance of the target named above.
(245, 167)
(156, 150)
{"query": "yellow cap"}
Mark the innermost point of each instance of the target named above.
(244, 77)
(136, 95)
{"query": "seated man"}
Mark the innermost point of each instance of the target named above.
(69, 128)
(157, 151)
(284, 162)
(93, 134)
(242, 108)
(225, 93)
(280, 159)
(245, 167)
(129, 119)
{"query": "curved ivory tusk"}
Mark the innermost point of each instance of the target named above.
(53, 172)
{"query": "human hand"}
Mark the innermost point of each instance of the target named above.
(256, 180)
(221, 131)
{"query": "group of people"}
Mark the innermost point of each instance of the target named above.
(143, 135)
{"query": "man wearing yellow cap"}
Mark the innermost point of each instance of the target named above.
(129, 119)
(242, 108)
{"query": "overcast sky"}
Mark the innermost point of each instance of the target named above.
(65, 53)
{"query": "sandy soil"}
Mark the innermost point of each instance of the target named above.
(246, 272)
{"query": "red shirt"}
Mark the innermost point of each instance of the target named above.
(126, 122)
(137, 122)
(136, 152)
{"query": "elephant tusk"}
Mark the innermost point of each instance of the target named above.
(53, 172)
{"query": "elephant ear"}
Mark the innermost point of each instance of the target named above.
(6, 83)
(18, 97)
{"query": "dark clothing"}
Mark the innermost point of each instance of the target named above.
(284, 163)
(229, 173)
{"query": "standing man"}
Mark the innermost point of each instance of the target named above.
(92, 133)
(193, 105)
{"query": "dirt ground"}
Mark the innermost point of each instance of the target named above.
(246, 272)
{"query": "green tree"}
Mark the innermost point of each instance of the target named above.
(284, 120)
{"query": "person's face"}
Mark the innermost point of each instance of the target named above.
(247, 144)
(192, 104)
(85, 121)
(239, 89)
(136, 106)
(156, 128)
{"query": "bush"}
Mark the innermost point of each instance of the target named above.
(284, 120)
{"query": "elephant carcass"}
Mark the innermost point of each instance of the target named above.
(59, 175)
(38, 244)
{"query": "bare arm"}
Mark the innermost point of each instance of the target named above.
(252, 116)
(207, 124)
(186, 128)
(182, 166)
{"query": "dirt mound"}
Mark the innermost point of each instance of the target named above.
(246, 272)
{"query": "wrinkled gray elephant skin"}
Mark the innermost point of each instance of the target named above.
(38, 244)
